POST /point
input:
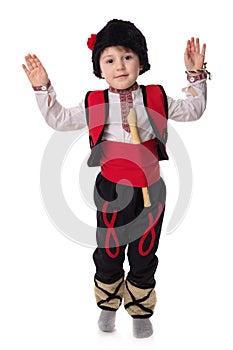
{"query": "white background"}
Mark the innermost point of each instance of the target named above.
(46, 292)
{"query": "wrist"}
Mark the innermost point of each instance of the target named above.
(195, 77)
(201, 72)
(43, 87)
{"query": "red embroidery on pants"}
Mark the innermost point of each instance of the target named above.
(150, 230)
(110, 232)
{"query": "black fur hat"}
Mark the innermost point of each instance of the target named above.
(122, 33)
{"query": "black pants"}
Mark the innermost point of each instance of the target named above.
(123, 222)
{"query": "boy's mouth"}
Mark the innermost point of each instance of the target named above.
(121, 76)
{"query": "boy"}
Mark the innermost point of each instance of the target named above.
(119, 55)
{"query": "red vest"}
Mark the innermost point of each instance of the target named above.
(155, 101)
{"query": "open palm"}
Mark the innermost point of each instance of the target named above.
(35, 71)
(193, 56)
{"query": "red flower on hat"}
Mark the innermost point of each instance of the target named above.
(91, 41)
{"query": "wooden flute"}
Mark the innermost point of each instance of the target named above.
(132, 121)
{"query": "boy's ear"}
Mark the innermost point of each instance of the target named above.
(140, 67)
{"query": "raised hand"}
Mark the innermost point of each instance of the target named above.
(35, 71)
(193, 57)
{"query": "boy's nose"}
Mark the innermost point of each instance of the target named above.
(120, 64)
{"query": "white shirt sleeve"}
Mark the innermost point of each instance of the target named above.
(74, 118)
(57, 116)
(191, 108)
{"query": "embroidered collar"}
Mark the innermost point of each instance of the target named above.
(124, 91)
(126, 102)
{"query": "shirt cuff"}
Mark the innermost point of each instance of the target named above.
(50, 89)
(200, 87)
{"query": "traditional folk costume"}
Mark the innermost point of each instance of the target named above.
(122, 220)
(121, 216)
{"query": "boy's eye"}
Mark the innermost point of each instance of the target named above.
(128, 57)
(110, 60)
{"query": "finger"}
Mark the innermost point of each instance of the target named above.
(192, 46)
(186, 54)
(28, 59)
(38, 63)
(197, 49)
(203, 50)
(33, 62)
(187, 49)
(36, 59)
(25, 69)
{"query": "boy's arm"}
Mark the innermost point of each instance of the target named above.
(191, 108)
(57, 116)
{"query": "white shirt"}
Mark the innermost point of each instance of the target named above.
(66, 119)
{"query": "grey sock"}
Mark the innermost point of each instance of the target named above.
(142, 327)
(107, 320)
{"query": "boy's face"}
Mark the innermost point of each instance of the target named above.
(119, 66)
